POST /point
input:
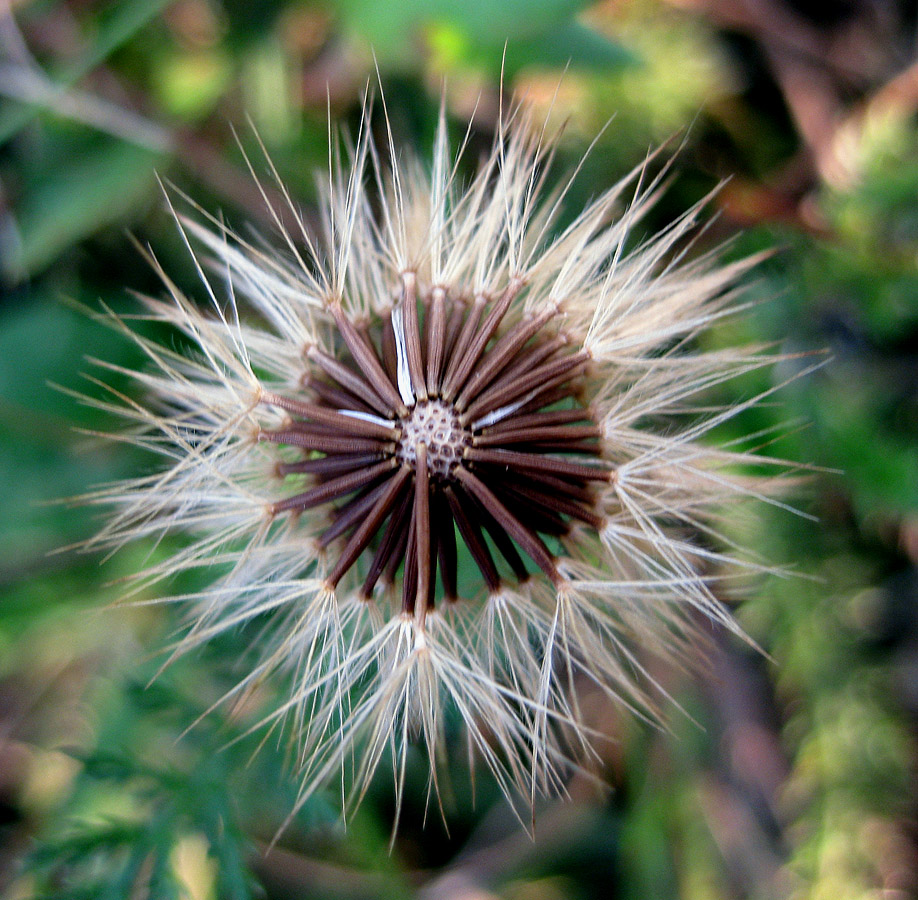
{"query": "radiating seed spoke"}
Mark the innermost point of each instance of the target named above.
(546, 396)
(410, 574)
(565, 486)
(537, 435)
(413, 335)
(351, 513)
(395, 528)
(323, 466)
(474, 540)
(325, 443)
(502, 352)
(482, 336)
(331, 490)
(365, 531)
(554, 372)
(389, 351)
(401, 545)
(436, 337)
(332, 418)
(461, 346)
(529, 360)
(537, 420)
(503, 542)
(422, 524)
(337, 397)
(535, 462)
(588, 448)
(453, 329)
(542, 520)
(350, 381)
(366, 359)
(527, 539)
(556, 502)
(446, 545)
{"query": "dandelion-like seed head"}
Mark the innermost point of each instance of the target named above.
(445, 426)
(448, 456)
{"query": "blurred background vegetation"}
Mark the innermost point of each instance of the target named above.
(797, 778)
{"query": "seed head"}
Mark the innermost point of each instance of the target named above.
(447, 455)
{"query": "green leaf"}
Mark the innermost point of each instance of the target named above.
(114, 28)
(880, 465)
(572, 44)
(73, 200)
(392, 28)
(497, 22)
(42, 457)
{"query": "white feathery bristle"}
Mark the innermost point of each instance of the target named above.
(367, 678)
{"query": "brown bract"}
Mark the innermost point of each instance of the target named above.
(444, 420)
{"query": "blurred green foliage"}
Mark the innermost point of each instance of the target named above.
(797, 782)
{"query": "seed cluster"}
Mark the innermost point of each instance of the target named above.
(434, 424)
(446, 424)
